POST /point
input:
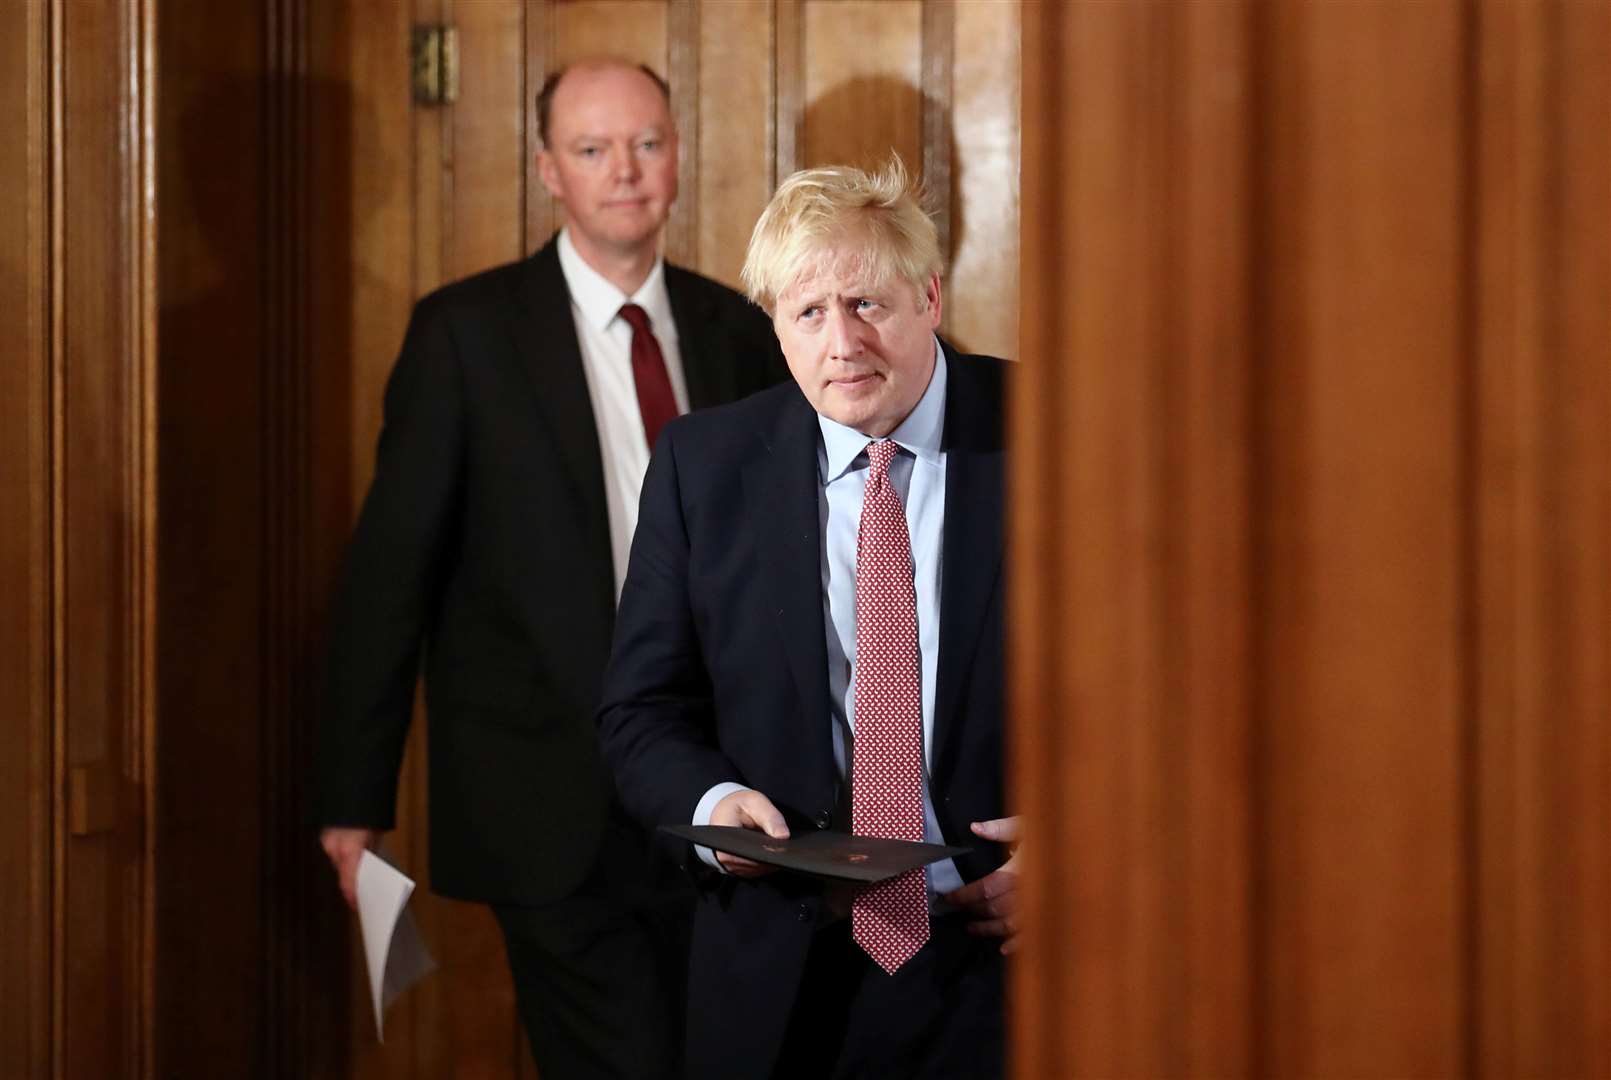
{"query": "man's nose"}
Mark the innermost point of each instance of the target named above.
(844, 334)
(624, 164)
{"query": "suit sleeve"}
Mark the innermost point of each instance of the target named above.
(391, 580)
(657, 718)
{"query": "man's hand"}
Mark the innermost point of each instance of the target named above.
(345, 847)
(748, 810)
(993, 899)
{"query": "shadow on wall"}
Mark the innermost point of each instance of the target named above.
(255, 271)
(861, 120)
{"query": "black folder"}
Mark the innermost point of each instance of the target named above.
(824, 854)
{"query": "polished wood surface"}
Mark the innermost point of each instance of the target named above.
(1311, 525)
(78, 558)
(27, 646)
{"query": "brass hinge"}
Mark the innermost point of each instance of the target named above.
(435, 56)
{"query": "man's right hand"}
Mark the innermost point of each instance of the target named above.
(346, 847)
(748, 810)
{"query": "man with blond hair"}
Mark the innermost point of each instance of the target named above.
(810, 637)
(489, 553)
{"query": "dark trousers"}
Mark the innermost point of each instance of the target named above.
(940, 1015)
(601, 976)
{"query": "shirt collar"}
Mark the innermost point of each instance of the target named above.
(599, 301)
(919, 433)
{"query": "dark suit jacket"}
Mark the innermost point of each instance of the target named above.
(719, 672)
(484, 542)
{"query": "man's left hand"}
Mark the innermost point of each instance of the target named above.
(993, 899)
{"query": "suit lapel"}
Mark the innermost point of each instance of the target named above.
(971, 572)
(780, 492)
(705, 367)
(546, 346)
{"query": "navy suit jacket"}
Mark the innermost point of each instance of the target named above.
(719, 672)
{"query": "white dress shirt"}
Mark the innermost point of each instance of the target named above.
(918, 476)
(606, 342)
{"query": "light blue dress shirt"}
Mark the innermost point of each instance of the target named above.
(918, 475)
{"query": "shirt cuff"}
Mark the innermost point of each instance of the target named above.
(702, 812)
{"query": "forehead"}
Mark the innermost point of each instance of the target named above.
(834, 269)
(595, 97)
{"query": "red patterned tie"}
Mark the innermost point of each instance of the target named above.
(891, 919)
(656, 403)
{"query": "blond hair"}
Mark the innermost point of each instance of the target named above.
(875, 219)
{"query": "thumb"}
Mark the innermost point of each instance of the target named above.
(767, 817)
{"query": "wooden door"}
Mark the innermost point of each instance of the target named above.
(1312, 516)
(76, 539)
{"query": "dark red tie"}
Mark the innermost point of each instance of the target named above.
(656, 403)
(891, 919)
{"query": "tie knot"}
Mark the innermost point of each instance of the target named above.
(879, 454)
(636, 317)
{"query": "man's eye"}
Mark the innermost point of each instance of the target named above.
(650, 145)
(865, 304)
(811, 312)
(588, 152)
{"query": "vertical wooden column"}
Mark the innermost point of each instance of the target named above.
(77, 499)
(1540, 740)
(28, 791)
(1130, 554)
(1312, 511)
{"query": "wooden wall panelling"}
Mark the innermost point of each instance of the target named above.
(210, 798)
(981, 308)
(788, 89)
(486, 159)
(683, 46)
(1542, 748)
(734, 147)
(1389, 280)
(28, 802)
(1131, 575)
(76, 560)
(860, 103)
(103, 477)
(1360, 699)
(937, 42)
(539, 208)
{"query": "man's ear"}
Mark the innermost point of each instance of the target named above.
(931, 293)
(549, 173)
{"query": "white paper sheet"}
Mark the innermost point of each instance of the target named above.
(396, 956)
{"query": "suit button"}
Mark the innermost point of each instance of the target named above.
(805, 912)
(824, 819)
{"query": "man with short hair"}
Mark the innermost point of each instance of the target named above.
(810, 637)
(519, 420)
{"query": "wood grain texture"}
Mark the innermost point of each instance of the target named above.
(862, 103)
(101, 473)
(212, 305)
(1129, 642)
(1359, 659)
(1542, 525)
(485, 163)
(1310, 532)
(735, 147)
(539, 62)
(27, 985)
(982, 209)
(788, 89)
(682, 70)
